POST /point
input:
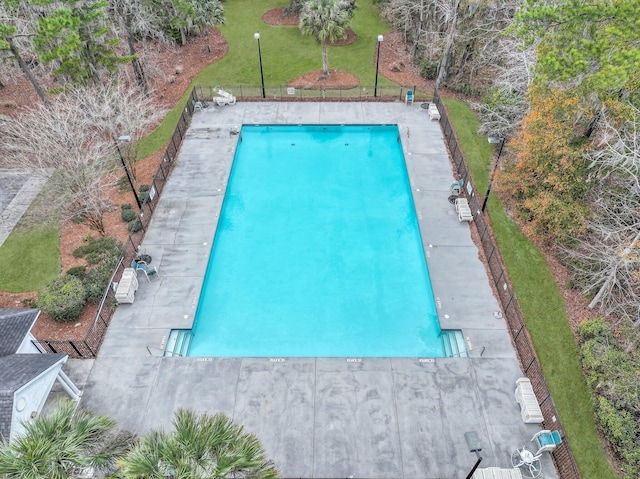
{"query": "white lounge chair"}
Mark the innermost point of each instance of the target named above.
(463, 210)
(224, 97)
(434, 114)
(127, 286)
(497, 473)
(529, 407)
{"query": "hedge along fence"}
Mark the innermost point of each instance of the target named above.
(562, 455)
(88, 346)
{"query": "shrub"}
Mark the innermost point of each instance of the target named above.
(125, 206)
(612, 368)
(77, 271)
(144, 193)
(63, 298)
(128, 215)
(428, 70)
(104, 247)
(93, 258)
(123, 184)
(135, 225)
(96, 281)
(593, 329)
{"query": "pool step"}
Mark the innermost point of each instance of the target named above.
(453, 343)
(178, 342)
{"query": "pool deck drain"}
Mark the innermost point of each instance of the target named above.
(317, 417)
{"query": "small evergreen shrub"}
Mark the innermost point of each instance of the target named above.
(125, 206)
(104, 246)
(93, 258)
(135, 225)
(123, 184)
(127, 215)
(428, 70)
(77, 271)
(96, 281)
(63, 298)
(144, 193)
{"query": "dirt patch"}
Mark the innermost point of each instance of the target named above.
(277, 18)
(317, 80)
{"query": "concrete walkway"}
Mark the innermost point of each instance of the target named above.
(317, 417)
(18, 188)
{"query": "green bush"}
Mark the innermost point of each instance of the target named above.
(125, 206)
(428, 70)
(77, 271)
(123, 184)
(63, 298)
(128, 215)
(104, 247)
(612, 370)
(144, 193)
(96, 281)
(93, 258)
(593, 329)
(135, 225)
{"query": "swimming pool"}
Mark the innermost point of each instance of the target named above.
(317, 251)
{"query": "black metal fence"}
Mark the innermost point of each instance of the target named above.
(285, 93)
(88, 346)
(562, 456)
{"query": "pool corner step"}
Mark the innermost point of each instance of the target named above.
(453, 343)
(178, 343)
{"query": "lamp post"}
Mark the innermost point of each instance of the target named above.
(473, 443)
(257, 37)
(493, 140)
(375, 89)
(126, 170)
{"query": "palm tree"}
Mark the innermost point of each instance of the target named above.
(200, 447)
(62, 445)
(327, 20)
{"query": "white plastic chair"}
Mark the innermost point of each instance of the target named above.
(546, 441)
(408, 98)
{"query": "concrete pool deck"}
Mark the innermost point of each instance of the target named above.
(317, 417)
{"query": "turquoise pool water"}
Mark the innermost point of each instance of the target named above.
(317, 252)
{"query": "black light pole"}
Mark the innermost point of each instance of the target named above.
(257, 37)
(375, 89)
(473, 442)
(126, 170)
(493, 140)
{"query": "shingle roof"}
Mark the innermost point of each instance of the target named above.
(17, 370)
(14, 326)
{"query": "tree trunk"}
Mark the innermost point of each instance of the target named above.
(443, 70)
(325, 59)
(416, 40)
(27, 71)
(137, 67)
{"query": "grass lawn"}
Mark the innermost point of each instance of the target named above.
(542, 307)
(34, 257)
(286, 54)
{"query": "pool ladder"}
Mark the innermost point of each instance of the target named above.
(178, 343)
